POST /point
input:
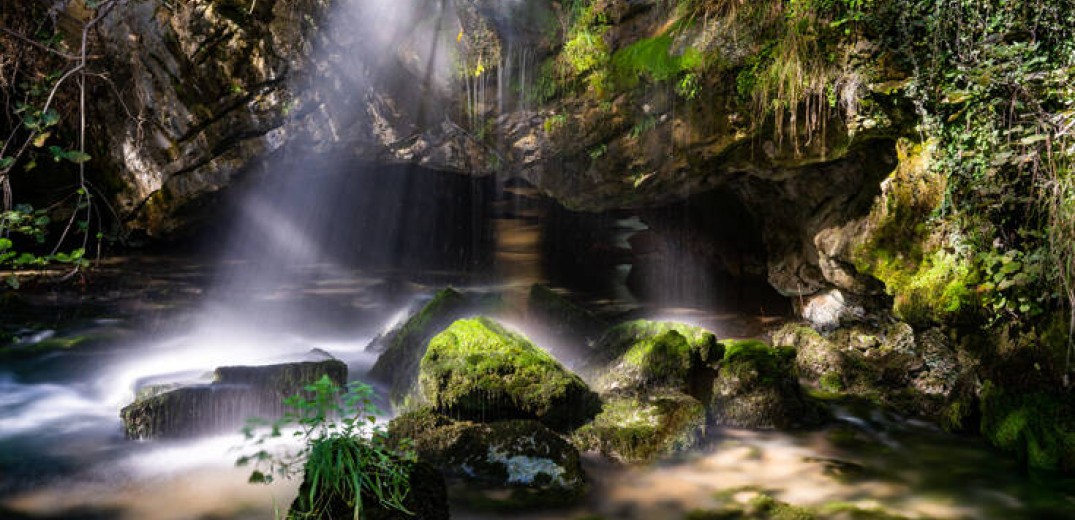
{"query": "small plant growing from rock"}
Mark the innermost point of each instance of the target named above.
(344, 452)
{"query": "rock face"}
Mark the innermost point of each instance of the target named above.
(535, 465)
(478, 370)
(404, 347)
(919, 374)
(238, 393)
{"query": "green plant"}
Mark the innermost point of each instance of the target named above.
(344, 451)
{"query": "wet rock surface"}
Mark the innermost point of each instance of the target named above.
(236, 394)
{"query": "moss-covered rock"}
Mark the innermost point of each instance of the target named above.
(661, 361)
(756, 387)
(1037, 426)
(404, 347)
(478, 370)
(639, 336)
(427, 498)
(523, 457)
(644, 428)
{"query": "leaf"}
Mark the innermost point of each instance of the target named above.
(6, 162)
(12, 282)
(39, 141)
(5, 244)
(50, 118)
(77, 157)
(258, 477)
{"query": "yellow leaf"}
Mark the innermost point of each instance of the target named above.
(39, 141)
(459, 37)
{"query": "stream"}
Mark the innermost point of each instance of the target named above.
(63, 453)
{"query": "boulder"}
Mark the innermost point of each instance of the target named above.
(664, 360)
(237, 393)
(403, 347)
(427, 499)
(644, 428)
(756, 387)
(534, 465)
(561, 317)
(478, 370)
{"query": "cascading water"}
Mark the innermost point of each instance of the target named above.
(323, 252)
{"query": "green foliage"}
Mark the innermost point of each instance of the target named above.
(344, 453)
(554, 122)
(1038, 427)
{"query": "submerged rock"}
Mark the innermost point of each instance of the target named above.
(478, 370)
(644, 428)
(534, 465)
(427, 498)
(404, 347)
(756, 387)
(238, 392)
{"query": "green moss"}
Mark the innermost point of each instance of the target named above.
(769, 364)
(1036, 426)
(831, 382)
(652, 58)
(627, 336)
(641, 429)
(478, 369)
(399, 363)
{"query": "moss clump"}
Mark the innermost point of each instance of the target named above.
(641, 429)
(652, 58)
(476, 369)
(1038, 427)
(753, 358)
